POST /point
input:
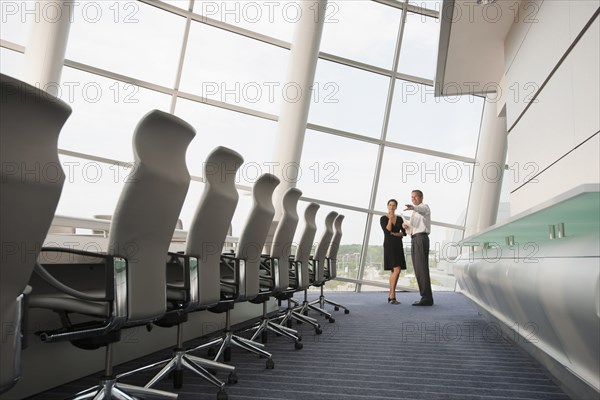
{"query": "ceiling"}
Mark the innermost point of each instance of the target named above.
(471, 47)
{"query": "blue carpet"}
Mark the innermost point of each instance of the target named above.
(378, 351)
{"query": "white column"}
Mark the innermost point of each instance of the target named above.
(47, 44)
(488, 171)
(294, 115)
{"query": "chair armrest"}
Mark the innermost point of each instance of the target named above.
(58, 285)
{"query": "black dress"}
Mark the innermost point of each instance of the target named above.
(393, 250)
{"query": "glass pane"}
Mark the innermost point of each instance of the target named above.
(418, 53)
(252, 137)
(105, 113)
(444, 183)
(11, 63)
(448, 124)
(90, 188)
(18, 16)
(276, 19)
(230, 68)
(353, 230)
(329, 170)
(129, 38)
(364, 31)
(348, 99)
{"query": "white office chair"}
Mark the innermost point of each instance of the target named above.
(330, 271)
(299, 272)
(275, 277)
(196, 285)
(30, 187)
(140, 234)
(240, 272)
(318, 262)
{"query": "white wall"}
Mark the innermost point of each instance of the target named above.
(555, 139)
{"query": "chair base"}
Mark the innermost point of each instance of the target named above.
(300, 314)
(228, 339)
(266, 325)
(109, 388)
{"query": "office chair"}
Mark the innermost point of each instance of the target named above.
(32, 181)
(140, 234)
(240, 272)
(299, 273)
(318, 263)
(330, 271)
(196, 283)
(275, 270)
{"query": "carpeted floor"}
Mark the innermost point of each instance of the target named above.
(378, 351)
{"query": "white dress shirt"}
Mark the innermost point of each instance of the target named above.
(420, 220)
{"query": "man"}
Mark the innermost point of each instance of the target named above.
(420, 226)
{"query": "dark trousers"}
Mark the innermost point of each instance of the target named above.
(420, 260)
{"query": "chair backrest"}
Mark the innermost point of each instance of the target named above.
(334, 246)
(32, 181)
(284, 236)
(144, 220)
(212, 220)
(305, 244)
(322, 246)
(254, 235)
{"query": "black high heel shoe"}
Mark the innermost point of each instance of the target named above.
(392, 300)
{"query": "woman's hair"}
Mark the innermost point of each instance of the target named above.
(394, 200)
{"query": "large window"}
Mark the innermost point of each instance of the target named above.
(447, 124)
(105, 113)
(252, 137)
(348, 99)
(128, 38)
(363, 31)
(232, 87)
(230, 68)
(330, 169)
(272, 18)
(419, 46)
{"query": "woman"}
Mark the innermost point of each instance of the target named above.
(393, 250)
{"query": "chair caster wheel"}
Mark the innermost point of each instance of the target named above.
(318, 331)
(299, 338)
(336, 308)
(331, 320)
(346, 311)
(270, 364)
(232, 378)
(222, 395)
(298, 345)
